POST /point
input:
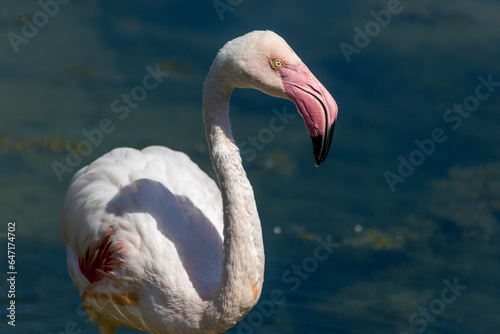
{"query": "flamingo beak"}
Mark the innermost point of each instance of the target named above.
(315, 105)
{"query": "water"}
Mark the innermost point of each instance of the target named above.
(415, 255)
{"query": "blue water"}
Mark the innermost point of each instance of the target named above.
(407, 203)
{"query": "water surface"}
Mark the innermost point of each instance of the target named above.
(420, 253)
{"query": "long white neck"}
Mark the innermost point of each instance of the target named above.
(243, 264)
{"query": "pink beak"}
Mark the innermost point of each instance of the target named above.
(315, 105)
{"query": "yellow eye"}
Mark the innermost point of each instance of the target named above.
(277, 63)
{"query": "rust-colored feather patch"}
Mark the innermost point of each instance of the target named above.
(255, 291)
(101, 258)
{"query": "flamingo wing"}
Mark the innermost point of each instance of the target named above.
(143, 230)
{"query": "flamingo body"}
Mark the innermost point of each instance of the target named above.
(161, 218)
(152, 242)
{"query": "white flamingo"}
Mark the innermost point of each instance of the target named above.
(152, 243)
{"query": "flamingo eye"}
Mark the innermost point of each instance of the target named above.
(277, 63)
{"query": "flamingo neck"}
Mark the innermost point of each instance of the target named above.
(243, 264)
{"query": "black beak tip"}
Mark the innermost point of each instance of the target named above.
(317, 142)
(321, 145)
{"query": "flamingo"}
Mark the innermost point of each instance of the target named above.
(152, 243)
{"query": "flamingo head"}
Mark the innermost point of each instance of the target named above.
(263, 60)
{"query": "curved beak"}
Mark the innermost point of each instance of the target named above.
(315, 105)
